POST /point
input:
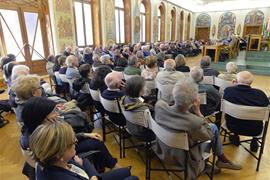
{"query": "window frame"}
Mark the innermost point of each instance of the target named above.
(84, 27)
(118, 9)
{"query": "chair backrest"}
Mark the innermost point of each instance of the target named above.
(126, 77)
(140, 118)
(28, 157)
(203, 97)
(208, 80)
(95, 94)
(222, 84)
(172, 139)
(112, 106)
(63, 78)
(165, 92)
(243, 112)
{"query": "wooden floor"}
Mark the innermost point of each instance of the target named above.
(11, 160)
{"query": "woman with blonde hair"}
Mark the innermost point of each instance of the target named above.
(181, 63)
(53, 145)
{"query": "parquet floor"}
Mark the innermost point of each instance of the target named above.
(11, 160)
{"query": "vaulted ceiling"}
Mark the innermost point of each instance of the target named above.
(220, 5)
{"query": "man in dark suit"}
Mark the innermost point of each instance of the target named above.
(244, 94)
(205, 65)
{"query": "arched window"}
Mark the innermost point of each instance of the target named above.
(142, 17)
(83, 21)
(161, 22)
(172, 25)
(119, 21)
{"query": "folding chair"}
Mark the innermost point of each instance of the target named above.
(243, 112)
(165, 92)
(222, 84)
(208, 80)
(114, 111)
(169, 138)
(203, 97)
(140, 118)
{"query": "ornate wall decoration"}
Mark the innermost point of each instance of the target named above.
(65, 32)
(137, 21)
(254, 17)
(203, 20)
(155, 28)
(226, 25)
(214, 29)
(109, 20)
(238, 29)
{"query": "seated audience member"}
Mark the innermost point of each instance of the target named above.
(141, 57)
(84, 98)
(98, 83)
(145, 50)
(106, 60)
(7, 72)
(25, 87)
(72, 70)
(168, 78)
(87, 56)
(213, 98)
(178, 118)
(160, 59)
(63, 65)
(7, 59)
(114, 83)
(78, 54)
(121, 64)
(39, 110)
(133, 67)
(134, 90)
(244, 94)
(67, 51)
(50, 64)
(56, 66)
(96, 61)
(230, 75)
(126, 52)
(205, 65)
(151, 70)
(153, 52)
(181, 63)
(53, 146)
(116, 56)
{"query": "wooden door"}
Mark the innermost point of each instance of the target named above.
(202, 33)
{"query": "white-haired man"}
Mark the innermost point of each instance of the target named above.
(178, 118)
(72, 70)
(205, 65)
(230, 75)
(244, 94)
(166, 79)
(213, 97)
(114, 83)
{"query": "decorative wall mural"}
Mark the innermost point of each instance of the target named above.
(214, 29)
(203, 20)
(137, 26)
(110, 20)
(65, 32)
(254, 17)
(155, 28)
(238, 29)
(226, 25)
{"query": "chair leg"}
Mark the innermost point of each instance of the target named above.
(148, 160)
(120, 141)
(123, 143)
(103, 128)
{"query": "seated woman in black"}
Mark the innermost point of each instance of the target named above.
(53, 145)
(181, 63)
(132, 102)
(38, 110)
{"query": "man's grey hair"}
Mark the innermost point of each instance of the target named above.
(153, 52)
(70, 60)
(231, 67)
(96, 58)
(184, 93)
(105, 59)
(169, 65)
(205, 61)
(140, 54)
(132, 61)
(196, 74)
(19, 70)
(113, 80)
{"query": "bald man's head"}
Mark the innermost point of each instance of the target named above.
(113, 80)
(244, 77)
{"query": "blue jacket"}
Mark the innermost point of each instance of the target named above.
(245, 95)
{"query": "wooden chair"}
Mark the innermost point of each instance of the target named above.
(247, 113)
